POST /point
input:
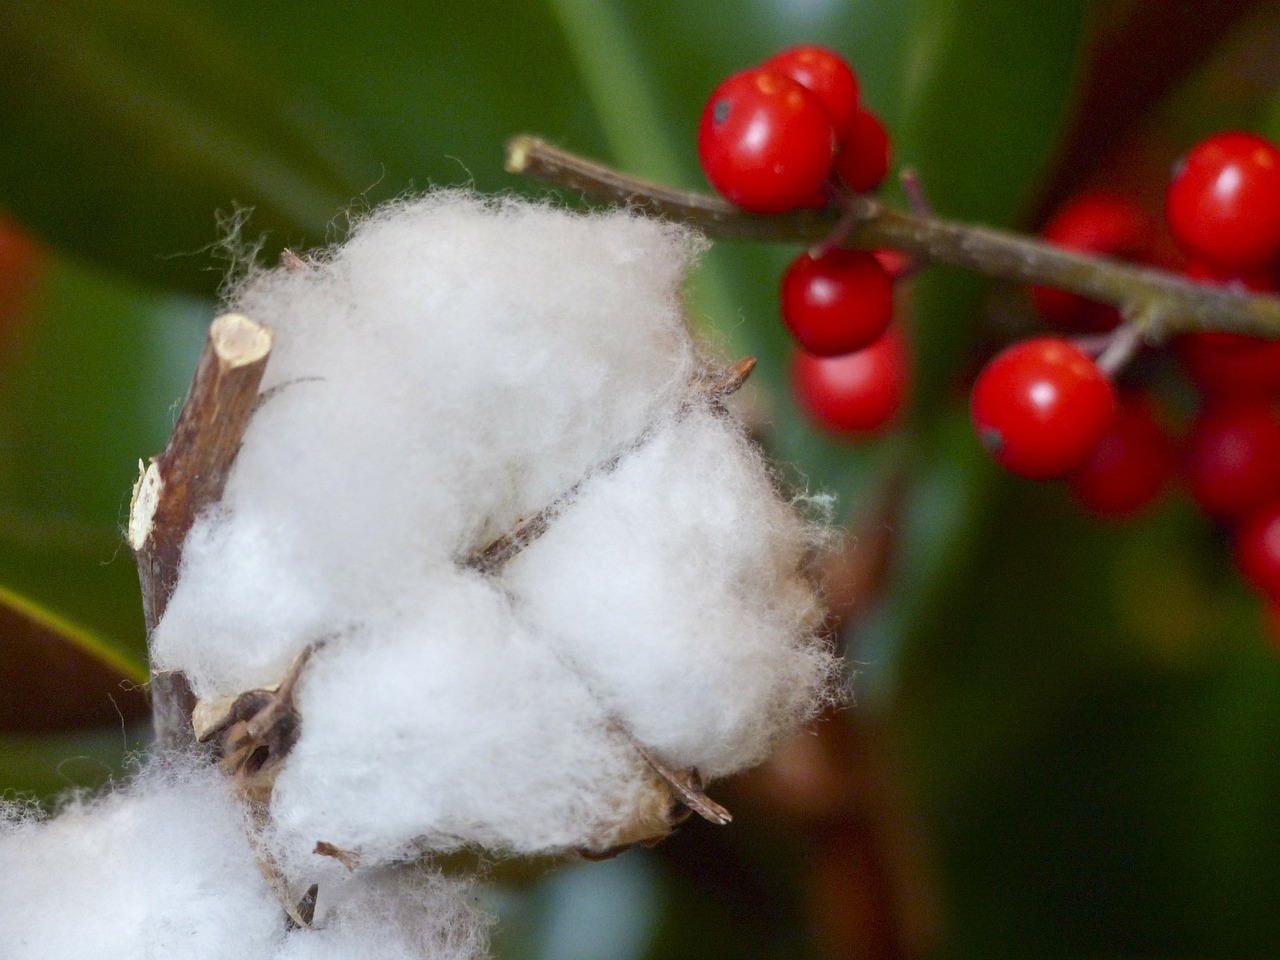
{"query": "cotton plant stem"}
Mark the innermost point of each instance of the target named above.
(494, 556)
(1182, 305)
(186, 477)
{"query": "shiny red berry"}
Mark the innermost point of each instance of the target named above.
(856, 393)
(1041, 406)
(1257, 549)
(863, 158)
(1130, 464)
(837, 303)
(826, 75)
(1223, 203)
(1233, 459)
(1100, 223)
(765, 142)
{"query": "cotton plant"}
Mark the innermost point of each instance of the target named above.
(491, 567)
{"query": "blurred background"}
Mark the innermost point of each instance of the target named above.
(1065, 734)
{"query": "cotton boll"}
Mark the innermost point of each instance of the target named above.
(449, 724)
(162, 869)
(673, 586)
(408, 914)
(452, 368)
(484, 356)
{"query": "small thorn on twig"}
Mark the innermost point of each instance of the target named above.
(913, 189)
(687, 785)
(305, 912)
(730, 381)
(291, 261)
(348, 858)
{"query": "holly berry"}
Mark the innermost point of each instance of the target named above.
(1231, 366)
(836, 303)
(1223, 203)
(1257, 550)
(1041, 406)
(863, 159)
(856, 393)
(826, 75)
(1233, 459)
(765, 142)
(1098, 223)
(1130, 464)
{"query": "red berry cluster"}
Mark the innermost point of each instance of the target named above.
(1040, 405)
(792, 133)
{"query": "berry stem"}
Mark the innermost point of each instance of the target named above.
(1125, 341)
(1182, 305)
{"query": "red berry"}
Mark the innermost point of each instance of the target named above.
(1231, 366)
(1257, 549)
(856, 393)
(863, 158)
(895, 261)
(1041, 406)
(838, 303)
(1130, 464)
(1223, 203)
(765, 142)
(1233, 459)
(827, 76)
(1098, 223)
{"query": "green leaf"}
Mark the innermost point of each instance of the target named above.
(139, 121)
(42, 768)
(89, 386)
(987, 88)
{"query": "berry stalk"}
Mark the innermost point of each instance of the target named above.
(1168, 303)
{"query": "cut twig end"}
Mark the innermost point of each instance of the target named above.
(239, 341)
(518, 154)
(143, 505)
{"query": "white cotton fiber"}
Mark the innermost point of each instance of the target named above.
(456, 367)
(453, 367)
(673, 586)
(449, 724)
(162, 869)
(409, 914)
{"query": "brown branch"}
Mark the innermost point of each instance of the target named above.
(1181, 304)
(493, 557)
(189, 475)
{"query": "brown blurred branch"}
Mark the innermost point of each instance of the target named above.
(186, 477)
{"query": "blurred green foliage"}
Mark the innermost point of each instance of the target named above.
(1089, 723)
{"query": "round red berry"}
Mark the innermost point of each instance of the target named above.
(765, 142)
(863, 158)
(1041, 406)
(836, 303)
(856, 393)
(1233, 459)
(827, 76)
(1257, 549)
(1231, 366)
(1223, 203)
(1097, 223)
(1130, 464)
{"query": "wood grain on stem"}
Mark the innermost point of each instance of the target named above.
(1181, 305)
(187, 476)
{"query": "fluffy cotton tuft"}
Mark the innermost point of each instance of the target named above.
(411, 914)
(453, 369)
(162, 869)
